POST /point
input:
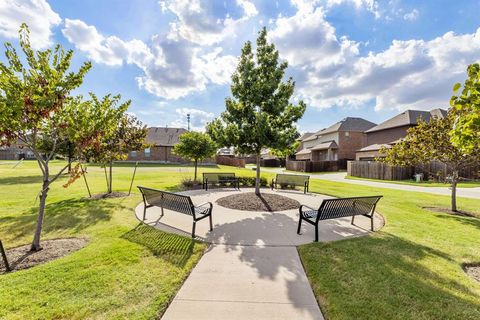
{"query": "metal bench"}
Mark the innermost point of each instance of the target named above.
(291, 180)
(214, 178)
(338, 208)
(176, 202)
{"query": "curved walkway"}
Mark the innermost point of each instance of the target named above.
(252, 269)
(473, 193)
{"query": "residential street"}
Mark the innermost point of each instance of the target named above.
(340, 177)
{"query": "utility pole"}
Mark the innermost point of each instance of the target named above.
(188, 121)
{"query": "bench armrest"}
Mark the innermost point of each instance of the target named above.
(304, 206)
(204, 204)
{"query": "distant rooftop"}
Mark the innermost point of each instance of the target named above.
(351, 124)
(409, 118)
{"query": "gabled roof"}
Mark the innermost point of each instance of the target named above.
(304, 151)
(305, 136)
(162, 136)
(347, 124)
(408, 118)
(325, 145)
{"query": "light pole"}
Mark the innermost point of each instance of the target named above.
(188, 121)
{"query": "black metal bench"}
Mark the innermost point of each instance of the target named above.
(338, 208)
(220, 178)
(175, 202)
(291, 180)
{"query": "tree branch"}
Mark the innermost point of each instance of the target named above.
(58, 174)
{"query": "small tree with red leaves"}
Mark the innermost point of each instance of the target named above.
(38, 110)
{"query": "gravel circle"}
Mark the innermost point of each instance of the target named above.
(473, 270)
(22, 258)
(249, 201)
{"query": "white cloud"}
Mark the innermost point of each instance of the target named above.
(198, 118)
(369, 5)
(172, 68)
(199, 24)
(411, 16)
(37, 14)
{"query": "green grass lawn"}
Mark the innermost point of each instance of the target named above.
(411, 269)
(464, 184)
(124, 271)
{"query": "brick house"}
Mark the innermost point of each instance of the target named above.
(393, 130)
(161, 141)
(16, 151)
(340, 141)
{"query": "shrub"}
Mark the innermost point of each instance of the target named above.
(189, 183)
(250, 181)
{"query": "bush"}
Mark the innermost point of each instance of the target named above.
(250, 181)
(189, 183)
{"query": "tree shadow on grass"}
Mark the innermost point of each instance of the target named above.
(470, 221)
(389, 277)
(21, 180)
(69, 215)
(172, 248)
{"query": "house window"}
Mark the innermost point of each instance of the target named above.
(133, 154)
(147, 152)
(347, 134)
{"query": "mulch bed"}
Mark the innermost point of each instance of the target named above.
(473, 270)
(22, 258)
(251, 202)
(447, 210)
(108, 195)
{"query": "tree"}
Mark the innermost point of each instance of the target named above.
(37, 109)
(466, 108)
(430, 141)
(259, 115)
(195, 146)
(128, 134)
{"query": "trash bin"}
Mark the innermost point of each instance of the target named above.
(418, 177)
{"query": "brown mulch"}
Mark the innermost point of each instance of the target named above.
(447, 210)
(22, 258)
(251, 202)
(473, 270)
(108, 195)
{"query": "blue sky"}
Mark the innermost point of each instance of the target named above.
(361, 58)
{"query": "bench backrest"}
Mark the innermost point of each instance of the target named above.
(347, 207)
(167, 200)
(292, 179)
(216, 177)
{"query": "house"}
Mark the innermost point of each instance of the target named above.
(161, 141)
(393, 130)
(16, 151)
(340, 141)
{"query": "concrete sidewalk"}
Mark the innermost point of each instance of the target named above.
(246, 282)
(252, 269)
(340, 177)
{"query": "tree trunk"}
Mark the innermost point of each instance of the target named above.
(195, 175)
(110, 177)
(454, 190)
(257, 179)
(41, 210)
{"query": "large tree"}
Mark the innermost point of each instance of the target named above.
(260, 114)
(195, 146)
(466, 108)
(37, 109)
(128, 134)
(430, 141)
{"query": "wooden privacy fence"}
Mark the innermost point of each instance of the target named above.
(272, 163)
(378, 170)
(316, 166)
(230, 161)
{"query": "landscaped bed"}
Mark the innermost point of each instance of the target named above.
(249, 201)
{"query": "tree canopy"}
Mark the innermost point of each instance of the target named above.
(259, 114)
(195, 146)
(37, 109)
(466, 108)
(430, 141)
